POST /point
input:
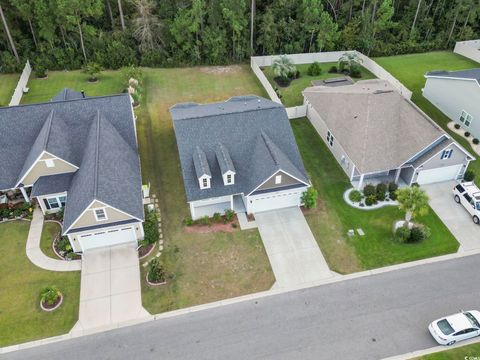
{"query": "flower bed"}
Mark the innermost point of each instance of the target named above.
(372, 197)
(145, 250)
(217, 223)
(20, 211)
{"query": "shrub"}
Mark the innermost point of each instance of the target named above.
(418, 233)
(467, 134)
(188, 221)
(333, 70)
(64, 244)
(314, 69)
(309, 197)
(150, 227)
(469, 175)
(355, 196)
(50, 295)
(370, 200)
(282, 81)
(392, 187)
(217, 217)
(40, 71)
(369, 190)
(355, 72)
(234, 225)
(204, 220)
(476, 141)
(229, 214)
(380, 191)
(456, 126)
(402, 234)
(156, 271)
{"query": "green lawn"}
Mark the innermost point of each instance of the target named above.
(50, 231)
(333, 217)
(207, 267)
(410, 70)
(21, 318)
(8, 82)
(292, 95)
(467, 352)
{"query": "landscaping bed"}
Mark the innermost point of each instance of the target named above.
(19, 211)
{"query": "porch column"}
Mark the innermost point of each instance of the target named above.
(397, 175)
(25, 195)
(360, 183)
(353, 172)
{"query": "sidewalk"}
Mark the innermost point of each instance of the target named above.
(35, 254)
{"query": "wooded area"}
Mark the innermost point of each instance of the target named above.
(66, 34)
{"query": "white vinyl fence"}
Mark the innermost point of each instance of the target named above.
(469, 49)
(21, 85)
(323, 57)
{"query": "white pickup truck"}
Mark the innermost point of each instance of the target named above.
(468, 194)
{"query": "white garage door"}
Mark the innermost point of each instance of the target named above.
(275, 200)
(438, 175)
(107, 238)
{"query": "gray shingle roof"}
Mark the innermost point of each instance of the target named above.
(224, 159)
(201, 163)
(52, 184)
(109, 173)
(237, 124)
(473, 74)
(68, 130)
(431, 152)
(68, 94)
(375, 125)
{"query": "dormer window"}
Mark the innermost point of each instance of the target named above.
(229, 178)
(226, 165)
(205, 182)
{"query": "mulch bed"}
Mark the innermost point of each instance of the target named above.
(278, 80)
(153, 283)
(55, 305)
(145, 250)
(250, 217)
(213, 228)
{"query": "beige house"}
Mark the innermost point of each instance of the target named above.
(376, 135)
(77, 154)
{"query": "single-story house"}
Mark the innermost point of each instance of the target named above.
(377, 135)
(457, 95)
(78, 154)
(238, 155)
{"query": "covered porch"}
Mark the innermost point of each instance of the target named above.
(14, 197)
(396, 176)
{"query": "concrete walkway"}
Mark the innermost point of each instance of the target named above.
(110, 291)
(453, 215)
(291, 248)
(37, 257)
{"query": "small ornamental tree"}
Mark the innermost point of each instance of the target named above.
(93, 69)
(50, 295)
(309, 198)
(412, 200)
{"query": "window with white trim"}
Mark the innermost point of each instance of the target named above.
(229, 178)
(205, 182)
(466, 118)
(55, 202)
(446, 154)
(278, 179)
(100, 214)
(330, 138)
(50, 163)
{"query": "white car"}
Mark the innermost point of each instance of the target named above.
(468, 195)
(457, 327)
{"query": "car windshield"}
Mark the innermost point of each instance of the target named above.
(478, 205)
(472, 319)
(445, 327)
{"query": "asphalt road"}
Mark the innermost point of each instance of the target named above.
(366, 318)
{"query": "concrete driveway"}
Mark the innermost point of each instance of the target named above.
(453, 215)
(291, 248)
(110, 291)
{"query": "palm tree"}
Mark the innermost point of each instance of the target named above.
(412, 200)
(350, 59)
(7, 31)
(283, 66)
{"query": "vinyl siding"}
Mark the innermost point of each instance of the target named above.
(41, 169)
(286, 181)
(88, 218)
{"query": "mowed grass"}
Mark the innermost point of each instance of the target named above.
(49, 232)
(41, 90)
(410, 70)
(292, 94)
(8, 82)
(332, 219)
(21, 282)
(467, 352)
(206, 267)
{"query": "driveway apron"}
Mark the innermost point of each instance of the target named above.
(110, 291)
(453, 215)
(291, 248)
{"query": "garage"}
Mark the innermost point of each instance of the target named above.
(439, 174)
(107, 238)
(274, 200)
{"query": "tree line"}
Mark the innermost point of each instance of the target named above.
(67, 34)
